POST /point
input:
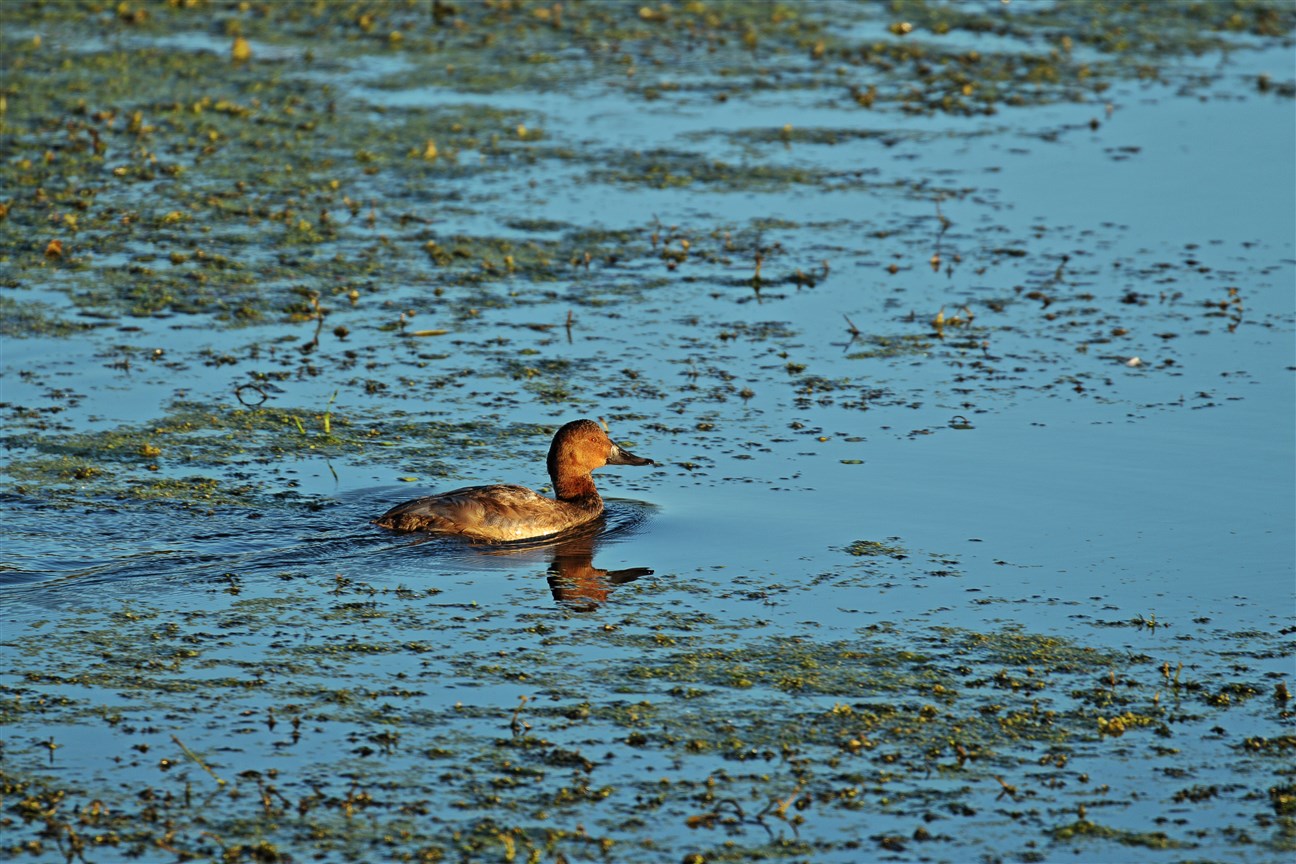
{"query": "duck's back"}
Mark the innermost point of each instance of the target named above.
(489, 513)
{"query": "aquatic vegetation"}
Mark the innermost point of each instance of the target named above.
(19, 319)
(869, 548)
(202, 452)
(262, 264)
(828, 727)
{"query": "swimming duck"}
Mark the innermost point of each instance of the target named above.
(501, 513)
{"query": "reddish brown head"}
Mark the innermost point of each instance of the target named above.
(578, 448)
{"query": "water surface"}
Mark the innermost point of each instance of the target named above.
(972, 393)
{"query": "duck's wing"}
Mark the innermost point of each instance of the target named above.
(487, 512)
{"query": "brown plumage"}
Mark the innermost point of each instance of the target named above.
(500, 513)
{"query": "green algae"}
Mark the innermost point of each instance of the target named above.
(887, 347)
(1083, 829)
(1012, 645)
(872, 548)
(197, 453)
(670, 169)
(159, 148)
(513, 773)
(818, 727)
(21, 319)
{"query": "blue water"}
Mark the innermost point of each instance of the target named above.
(1087, 492)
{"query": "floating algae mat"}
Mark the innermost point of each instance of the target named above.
(962, 334)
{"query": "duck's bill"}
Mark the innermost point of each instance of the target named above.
(618, 456)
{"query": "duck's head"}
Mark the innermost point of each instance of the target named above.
(581, 446)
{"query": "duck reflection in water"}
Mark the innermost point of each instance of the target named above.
(579, 585)
(574, 580)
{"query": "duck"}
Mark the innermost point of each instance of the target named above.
(503, 513)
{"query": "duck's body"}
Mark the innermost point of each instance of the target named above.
(502, 513)
(492, 513)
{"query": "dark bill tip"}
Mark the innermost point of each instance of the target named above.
(619, 456)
